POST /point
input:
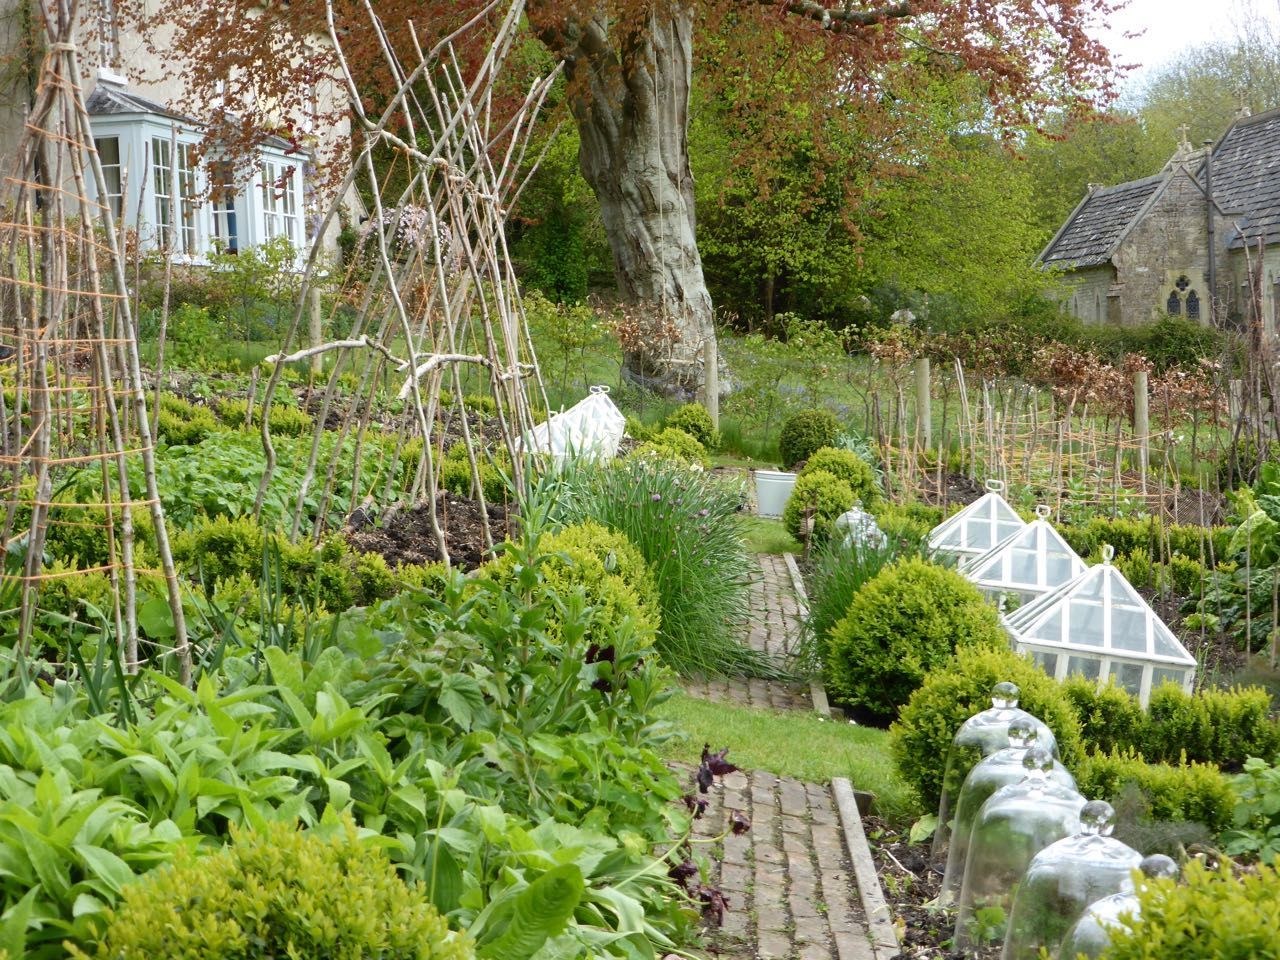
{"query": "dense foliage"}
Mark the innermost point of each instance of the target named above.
(816, 500)
(904, 623)
(850, 468)
(279, 892)
(694, 420)
(805, 433)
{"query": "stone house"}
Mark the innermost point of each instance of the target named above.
(1197, 239)
(148, 145)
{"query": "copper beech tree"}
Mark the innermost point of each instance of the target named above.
(629, 67)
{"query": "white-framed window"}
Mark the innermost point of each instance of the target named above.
(226, 227)
(280, 201)
(186, 202)
(109, 156)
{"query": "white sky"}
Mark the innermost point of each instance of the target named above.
(1172, 25)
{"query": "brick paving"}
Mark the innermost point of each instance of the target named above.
(792, 894)
(791, 891)
(775, 631)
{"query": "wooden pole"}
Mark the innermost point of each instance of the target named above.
(316, 331)
(924, 408)
(1142, 424)
(711, 380)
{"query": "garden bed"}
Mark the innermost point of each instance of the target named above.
(405, 536)
(910, 886)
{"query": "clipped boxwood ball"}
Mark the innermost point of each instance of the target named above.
(819, 494)
(694, 420)
(805, 433)
(958, 689)
(905, 622)
(850, 468)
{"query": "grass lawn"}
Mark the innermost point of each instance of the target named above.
(796, 745)
(768, 535)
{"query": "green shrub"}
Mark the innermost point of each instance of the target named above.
(672, 444)
(601, 562)
(430, 577)
(286, 420)
(279, 893)
(1110, 717)
(904, 623)
(1186, 791)
(955, 691)
(1212, 914)
(685, 525)
(481, 403)
(837, 574)
(455, 476)
(1139, 569)
(181, 422)
(637, 430)
(1185, 575)
(804, 434)
(694, 420)
(850, 468)
(908, 526)
(821, 497)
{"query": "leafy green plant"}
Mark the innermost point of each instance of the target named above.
(850, 468)
(955, 691)
(1186, 792)
(805, 433)
(684, 523)
(281, 892)
(904, 623)
(1211, 913)
(819, 498)
(285, 419)
(182, 422)
(694, 420)
(674, 445)
(1256, 819)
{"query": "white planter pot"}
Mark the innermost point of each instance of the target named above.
(773, 490)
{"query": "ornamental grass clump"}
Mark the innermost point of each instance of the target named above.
(685, 524)
(905, 622)
(279, 893)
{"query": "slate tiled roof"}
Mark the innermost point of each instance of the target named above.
(1246, 176)
(108, 98)
(1089, 237)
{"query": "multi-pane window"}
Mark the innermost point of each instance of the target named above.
(225, 227)
(1173, 306)
(184, 203)
(109, 155)
(280, 201)
(1193, 306)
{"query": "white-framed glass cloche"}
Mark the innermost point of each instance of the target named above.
(1099, 626)
(1030, 563)
(983, 524)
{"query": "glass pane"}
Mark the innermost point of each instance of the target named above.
(1087, 623)
(1166, 644)
(1161, 676)
(108, 150)
(1048, 662)
(1128, 629)
(1128, 675)
(1088, 667)
(1051, 629)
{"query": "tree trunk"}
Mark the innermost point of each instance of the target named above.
(631, 102)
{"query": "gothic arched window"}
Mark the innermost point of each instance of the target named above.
(1193, 306)
(1174, 305)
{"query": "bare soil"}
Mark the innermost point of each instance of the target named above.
(910, 886)
(405, 536)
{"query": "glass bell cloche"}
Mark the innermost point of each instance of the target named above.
(980, 736)
(1016, 823)
(1064, 879)
(1002, 768)
(1092, 932)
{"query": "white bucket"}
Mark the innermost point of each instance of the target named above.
(773, 490)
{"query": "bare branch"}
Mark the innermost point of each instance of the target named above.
(844, 16)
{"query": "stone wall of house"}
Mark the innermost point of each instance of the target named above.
(1168, 243)
(1083, 293)
(1238, 278)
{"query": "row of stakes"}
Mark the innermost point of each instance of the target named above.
(1027, 857)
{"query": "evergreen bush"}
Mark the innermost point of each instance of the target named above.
(904, 623)
(820, 496)
(286, 420)
(694, 420)
(279, 893)
(804, 434)
(837, 574)
(672, 444)
(1212, 914)
(850, 468)
(1110, 717)
(180, 422)
(955, 691)
(1182, 792)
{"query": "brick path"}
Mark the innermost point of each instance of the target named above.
(792, 895)
(774, 631)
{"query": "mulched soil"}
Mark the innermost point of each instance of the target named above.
(405, 536)
(909, 886)
(956, 489)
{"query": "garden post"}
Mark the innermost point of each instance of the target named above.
(316, 330)
(924, 411)
(711, 380)
(1141, 422)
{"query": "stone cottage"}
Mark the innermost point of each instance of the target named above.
(1200, 239)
